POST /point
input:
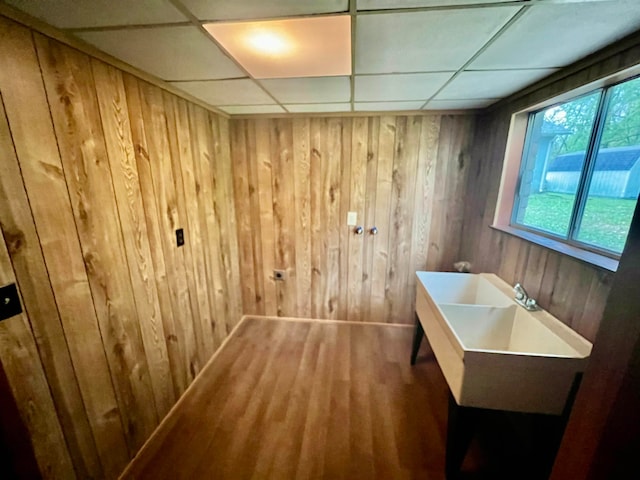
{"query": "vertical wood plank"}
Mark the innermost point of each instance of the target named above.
(196, 280)
(199, 306)
(256, 215)
(338, 144)
(318, 242)
(356, 243)
(230, 245)
(219, 229)
(369, 218)
(344, 232)
(509, 259)
(124, 172)
(203, 155)
(589, 322)
(243, 215)
(386, 143)
(302, 198)
(167, 301)
(454, 149)
(21, 363)
(405, 166)
(423, 209)
(185, 164)
(284, 223)
(164, 187)
(265, 195)
(74, 108)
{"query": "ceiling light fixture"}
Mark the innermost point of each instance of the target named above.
(269, 42)
(290, 47)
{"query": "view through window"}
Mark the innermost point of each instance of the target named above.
(580, 171)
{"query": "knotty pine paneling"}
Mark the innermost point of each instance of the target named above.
(98, 170)
(296, 179)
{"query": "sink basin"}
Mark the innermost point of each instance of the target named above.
(504, 330)
(463, 288)
(494, 353)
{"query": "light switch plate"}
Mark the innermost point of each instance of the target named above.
(9, 301)
(352, 219)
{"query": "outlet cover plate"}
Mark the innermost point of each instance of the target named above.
(9, 301)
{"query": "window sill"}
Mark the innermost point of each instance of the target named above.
(592, 258)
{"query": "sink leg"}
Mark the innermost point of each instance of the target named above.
(460, 430)
(418, 333)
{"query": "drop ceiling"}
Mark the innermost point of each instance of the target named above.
(405, 54)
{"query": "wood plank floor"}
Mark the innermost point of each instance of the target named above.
(287, 399)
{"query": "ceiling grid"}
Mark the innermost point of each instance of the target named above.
(405, 55)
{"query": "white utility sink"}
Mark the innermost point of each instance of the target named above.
(463, 288)
(493, 352)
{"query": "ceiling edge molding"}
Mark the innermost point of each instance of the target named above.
(382, 113)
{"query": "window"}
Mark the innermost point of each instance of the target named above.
(580, 170)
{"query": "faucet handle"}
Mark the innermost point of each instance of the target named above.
(531, 304)
(520, 292)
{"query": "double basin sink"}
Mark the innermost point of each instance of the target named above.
(493, 352)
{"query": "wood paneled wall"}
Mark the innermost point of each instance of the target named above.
(295, 181)
(574, 291)
(98, 171)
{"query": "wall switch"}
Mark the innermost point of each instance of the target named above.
(180, 237)
(9, 302)
(352, 219)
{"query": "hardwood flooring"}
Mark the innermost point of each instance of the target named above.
(285, 399)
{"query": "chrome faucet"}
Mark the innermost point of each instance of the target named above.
(523, 298)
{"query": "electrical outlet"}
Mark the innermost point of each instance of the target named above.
(180, 237)
(279, 275)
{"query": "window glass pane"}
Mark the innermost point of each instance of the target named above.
(556, 144)
(615, 181)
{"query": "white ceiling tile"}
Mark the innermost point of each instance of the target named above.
(319, 107)
(555, 35)
(99, 13)
(309, 90)
(386, 106)
(387, 4)
(227, 92)
(246, 109)
(460, 104)
(425, 41)
(171, 53)
(490, 84)
(252, 9)
(403, 86)
(293, 47)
